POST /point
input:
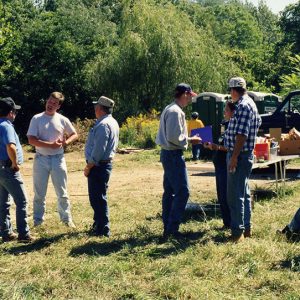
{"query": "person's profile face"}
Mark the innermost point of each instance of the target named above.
(228, 113)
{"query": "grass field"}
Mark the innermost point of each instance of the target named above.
(133, 263)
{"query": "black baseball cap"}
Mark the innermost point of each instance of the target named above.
(9, 102)
(184, 88)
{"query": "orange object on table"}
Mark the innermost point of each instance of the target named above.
(262, 150)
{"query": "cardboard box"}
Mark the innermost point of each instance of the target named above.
(275, 133)
(287, 147)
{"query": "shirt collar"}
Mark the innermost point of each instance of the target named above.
(102, 118)
(5, 119)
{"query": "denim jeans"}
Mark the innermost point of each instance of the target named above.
(238, 193)
(11, 183)
(176, 189)
(295, 223)
(221, 184)
(97, 187)
(196, 151)
(43, 166)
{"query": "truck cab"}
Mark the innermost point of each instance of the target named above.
(286, 116)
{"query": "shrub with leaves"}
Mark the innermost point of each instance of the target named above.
(140, 131)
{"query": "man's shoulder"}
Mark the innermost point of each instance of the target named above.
(62, 117)
(173, 109)
(38, 116)
(247, 104)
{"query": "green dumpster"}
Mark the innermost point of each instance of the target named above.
(210, 107)
(265, 102)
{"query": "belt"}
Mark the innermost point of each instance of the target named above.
(105, 161)
(5, 163)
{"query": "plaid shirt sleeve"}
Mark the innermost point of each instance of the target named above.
(244, 120)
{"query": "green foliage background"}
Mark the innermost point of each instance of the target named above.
(137, 51)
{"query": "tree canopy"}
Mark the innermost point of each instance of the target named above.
(137, 51)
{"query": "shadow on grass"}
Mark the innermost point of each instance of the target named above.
(38, 244)
(130, 245)
(292, 264)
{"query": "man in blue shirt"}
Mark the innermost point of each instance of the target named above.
(239, 140)
(11, 156)
(100, 148)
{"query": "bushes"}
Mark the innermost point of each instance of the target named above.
(137, 131)
(140, 131)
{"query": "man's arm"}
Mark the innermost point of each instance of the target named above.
(71, 138)
(238, 146)
(34, 141)
(100, 143)
(12, 154)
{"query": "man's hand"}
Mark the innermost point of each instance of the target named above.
(15, 167)
(87, 169)
(209, 146)
(57, 144)
(232, 164)
(195, 139)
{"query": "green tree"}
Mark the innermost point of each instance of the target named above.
(292, 81)
(159, 47)
(290, 25)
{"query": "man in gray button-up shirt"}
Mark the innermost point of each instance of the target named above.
(100, 148)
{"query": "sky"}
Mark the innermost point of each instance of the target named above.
(276, 5)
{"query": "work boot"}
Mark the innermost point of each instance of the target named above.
(8, 238)
(26, 238)
(237, 238)
(247, 233)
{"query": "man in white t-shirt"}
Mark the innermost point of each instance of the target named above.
(49, 132)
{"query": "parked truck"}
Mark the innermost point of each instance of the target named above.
(286, 116)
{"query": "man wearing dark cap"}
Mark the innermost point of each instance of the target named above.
(11, 156)
(173, 139)
(100, 149)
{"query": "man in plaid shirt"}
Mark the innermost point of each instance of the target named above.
(239, 140)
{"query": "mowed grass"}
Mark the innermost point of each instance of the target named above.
(133, 263)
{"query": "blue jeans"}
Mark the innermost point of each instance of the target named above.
(295, 223)
(43, 167)
(97, 187)
(238, 193)
(221, 184)
(176, 189)
(11, 183)
(196, 151)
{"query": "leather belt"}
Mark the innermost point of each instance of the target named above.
(105, 161)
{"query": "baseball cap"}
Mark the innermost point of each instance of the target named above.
(195, 115)
(237, 82)
(104, 101)
(9, 102)
(184, 88)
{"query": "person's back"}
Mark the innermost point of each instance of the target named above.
(172, 132)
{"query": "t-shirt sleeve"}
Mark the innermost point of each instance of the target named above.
(69, 128)
(8, 136)
(33, 128)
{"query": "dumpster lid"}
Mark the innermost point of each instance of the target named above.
(217, 96)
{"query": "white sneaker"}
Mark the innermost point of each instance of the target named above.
(70, 224)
